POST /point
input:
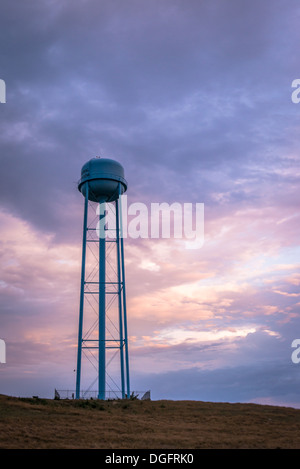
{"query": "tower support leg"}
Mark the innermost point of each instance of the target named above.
(101, 363)
(120, 286)
(124, 296)
(79, 350)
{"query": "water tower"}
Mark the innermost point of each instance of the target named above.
(102, 332)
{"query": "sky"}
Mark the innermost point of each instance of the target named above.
(193, 98)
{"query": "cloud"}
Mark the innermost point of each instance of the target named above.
(262, 384)
(174, 335)
(194, 100)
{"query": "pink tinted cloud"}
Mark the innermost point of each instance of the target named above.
(168, 286)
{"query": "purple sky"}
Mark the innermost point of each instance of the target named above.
(193, 98)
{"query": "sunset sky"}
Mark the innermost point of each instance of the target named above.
(193, 98)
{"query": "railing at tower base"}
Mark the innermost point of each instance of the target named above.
(109, 395)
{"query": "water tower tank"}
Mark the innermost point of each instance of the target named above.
(103, 176)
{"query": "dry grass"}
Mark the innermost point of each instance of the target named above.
(41, 423)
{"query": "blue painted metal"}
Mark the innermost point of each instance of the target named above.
(120, 285)
(124, 299)
(102, 297)
(79, 351)
(102, 181)
(105, 176)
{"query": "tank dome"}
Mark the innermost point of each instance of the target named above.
(103, 177)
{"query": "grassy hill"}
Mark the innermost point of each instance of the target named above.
(45, 423)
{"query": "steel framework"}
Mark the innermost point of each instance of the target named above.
(102, 331)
